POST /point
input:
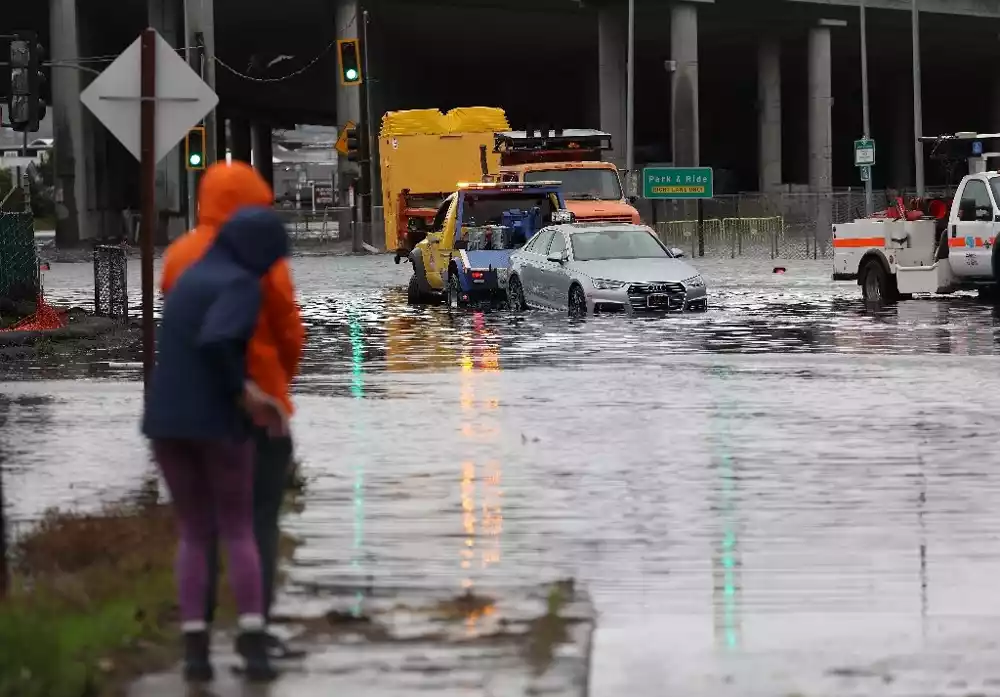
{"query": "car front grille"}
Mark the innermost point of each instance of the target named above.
(657, 296)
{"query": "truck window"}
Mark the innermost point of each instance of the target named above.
(489, 210)
(582, 184)
(975, 202)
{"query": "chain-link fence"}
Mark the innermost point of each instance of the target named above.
(321, 226)
(19, 276)
(781, 225)
(111, 282)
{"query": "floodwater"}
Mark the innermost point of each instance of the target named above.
(789, 494)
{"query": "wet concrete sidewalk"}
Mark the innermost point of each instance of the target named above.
(529, 642)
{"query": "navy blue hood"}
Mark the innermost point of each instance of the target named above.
(256, 238)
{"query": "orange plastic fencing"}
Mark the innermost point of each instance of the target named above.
(45, 317)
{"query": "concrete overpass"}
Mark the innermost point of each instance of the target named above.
(766, 91)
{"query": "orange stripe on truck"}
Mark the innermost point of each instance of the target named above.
(961, 242)
(858, 241)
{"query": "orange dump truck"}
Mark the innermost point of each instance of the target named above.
(424, 155)
(591, 187)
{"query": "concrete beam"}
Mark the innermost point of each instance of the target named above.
(971, 8)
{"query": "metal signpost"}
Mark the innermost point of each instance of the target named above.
(864, 158)
(148, 99)
(696, 183)
(866, 170)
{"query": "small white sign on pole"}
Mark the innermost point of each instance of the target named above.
(182, 100)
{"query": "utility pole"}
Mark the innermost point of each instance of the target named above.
(865, 110)
(630, 97)
(366, 104)
(918, 109)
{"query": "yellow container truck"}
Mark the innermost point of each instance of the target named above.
(424, 155)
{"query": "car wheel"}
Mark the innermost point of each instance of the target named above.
(515, 295)
(454, 292)
(876, 285)
(577, 302)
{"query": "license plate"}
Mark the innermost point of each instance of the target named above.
(658, 300)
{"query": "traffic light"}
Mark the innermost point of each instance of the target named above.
(350, 61)
(353, 144)
(194, 149)
(24, 102)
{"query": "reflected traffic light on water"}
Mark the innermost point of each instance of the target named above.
(481, 485)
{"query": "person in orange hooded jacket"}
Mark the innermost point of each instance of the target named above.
(272, 361)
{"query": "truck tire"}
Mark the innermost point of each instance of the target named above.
(877, 286)
(413, 294)
(454, 292)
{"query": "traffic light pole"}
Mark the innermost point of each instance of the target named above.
(363, 197)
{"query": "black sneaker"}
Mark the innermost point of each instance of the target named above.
(197, 667)
(252, 646)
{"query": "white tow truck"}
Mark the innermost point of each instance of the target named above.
(931, 246)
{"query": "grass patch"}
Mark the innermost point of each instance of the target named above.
(93, 601)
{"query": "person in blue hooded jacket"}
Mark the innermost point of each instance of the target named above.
(199, 411)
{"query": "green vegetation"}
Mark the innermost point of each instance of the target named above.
(42, 193)
(92, 603)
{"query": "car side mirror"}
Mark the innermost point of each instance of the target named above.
(677, 251)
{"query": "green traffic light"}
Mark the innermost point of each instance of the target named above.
(351, 74)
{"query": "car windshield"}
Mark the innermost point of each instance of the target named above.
(616, 244)
(583, 184)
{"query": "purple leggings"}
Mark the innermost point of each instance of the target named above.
(211, 484)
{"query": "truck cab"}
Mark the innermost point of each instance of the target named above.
(930, 246)
(592, 188)
(465, 250)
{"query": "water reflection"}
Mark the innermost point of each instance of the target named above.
(482, 495)
(358, 392)
(726, 565)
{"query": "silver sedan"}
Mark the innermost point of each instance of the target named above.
(603, 267)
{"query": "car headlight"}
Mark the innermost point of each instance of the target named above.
(606, 284)
(694, 282)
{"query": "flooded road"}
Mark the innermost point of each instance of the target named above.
(786, 495)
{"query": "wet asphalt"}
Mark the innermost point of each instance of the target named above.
(790, 494)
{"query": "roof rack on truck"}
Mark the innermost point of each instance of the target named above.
(545, 145)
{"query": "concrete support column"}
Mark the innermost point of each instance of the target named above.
(684, 104)
(73, 222)
(821, 125)
(240, 139)
(263, 152)
(769, 106)
(167, 17)
(901, 168)
(612, 35)
(347, 26)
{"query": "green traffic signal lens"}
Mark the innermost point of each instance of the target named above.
(351, 74)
